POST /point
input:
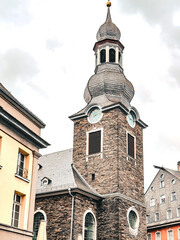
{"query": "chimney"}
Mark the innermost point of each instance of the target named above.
(178, 166)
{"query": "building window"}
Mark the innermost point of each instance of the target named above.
(94, 142)
(162, 176)
(173, 196)
(178, 212)
(162, 184)
(112, 55)
(157, 217)
(178, 233)
(149, 236)
(148, 218)
(173, 181)
(119, 57)
(162, 199)
(152, 188)
(21, 169)
(89, 227)
(158, 236)
(103, 56)
(170, 235)
(38, 217)
(152, 202)
(131, 145)
(16, 210)
(169, 214)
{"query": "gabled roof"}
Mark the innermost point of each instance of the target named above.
(64, 176)
(4, 93)
(174, 173)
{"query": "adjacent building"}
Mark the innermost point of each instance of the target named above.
(96, 190)
(20, 142)
(163, 205)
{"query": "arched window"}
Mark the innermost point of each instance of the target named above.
(119, 57)
(112, 54)
(103, 56)
(89, 227)
(38, 216)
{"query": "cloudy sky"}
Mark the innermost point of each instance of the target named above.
(46, 59)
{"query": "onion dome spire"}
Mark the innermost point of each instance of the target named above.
(108, 30)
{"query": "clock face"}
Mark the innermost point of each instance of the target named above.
(131, 119)
(94, 115)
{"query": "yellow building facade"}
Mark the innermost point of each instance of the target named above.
(20, 142)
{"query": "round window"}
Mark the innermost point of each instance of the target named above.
(132, 219)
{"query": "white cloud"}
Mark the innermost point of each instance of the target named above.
(15, 11)
(17, 65)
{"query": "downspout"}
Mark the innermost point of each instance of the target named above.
(72, 214)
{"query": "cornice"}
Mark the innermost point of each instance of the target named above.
(16, 126)
(4, 93)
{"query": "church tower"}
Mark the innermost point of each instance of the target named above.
(108, 141)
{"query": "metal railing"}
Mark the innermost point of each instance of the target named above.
(22, 172)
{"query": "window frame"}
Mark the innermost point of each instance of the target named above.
(173, 196)
(16, 203)
(162, 184)
(149, 234)
(127, 149)
(0, 151)
(156, 235)
(161, 197)
(167, 214)
(95, 224)
(148, 218)
(170, 230)
(102, 50)
(45, 219)
(110, 54)
(87, 141)
(25, 172)
(178, 212)
(152, 202)
(157, 219)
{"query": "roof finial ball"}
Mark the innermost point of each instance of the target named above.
(108, 4)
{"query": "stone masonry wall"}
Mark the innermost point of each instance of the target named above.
(114, 170)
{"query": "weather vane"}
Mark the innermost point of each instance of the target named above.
(108, 4)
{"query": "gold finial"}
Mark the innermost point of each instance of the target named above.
(108, 4)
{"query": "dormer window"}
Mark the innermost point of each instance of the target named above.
(112, 55)
(45, 181)
(103, 56)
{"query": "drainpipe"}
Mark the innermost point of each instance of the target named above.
(72, 214)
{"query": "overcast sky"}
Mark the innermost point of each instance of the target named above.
(46, 59)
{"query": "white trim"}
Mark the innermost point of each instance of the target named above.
(133, 231)
(89, 109)
(149, 234)
(87, 142)
(95, 223)
(178, 233)
(177, 212)
(156, 235)
(43, 212)
(172, 234)
(167, 214)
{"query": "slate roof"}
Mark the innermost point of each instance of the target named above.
(59, 169)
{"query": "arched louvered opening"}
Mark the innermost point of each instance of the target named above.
(38, 216)
(103, 56)
(112, 54)
(89, 228)
(119, 57)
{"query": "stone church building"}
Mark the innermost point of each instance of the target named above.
(95, 191)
